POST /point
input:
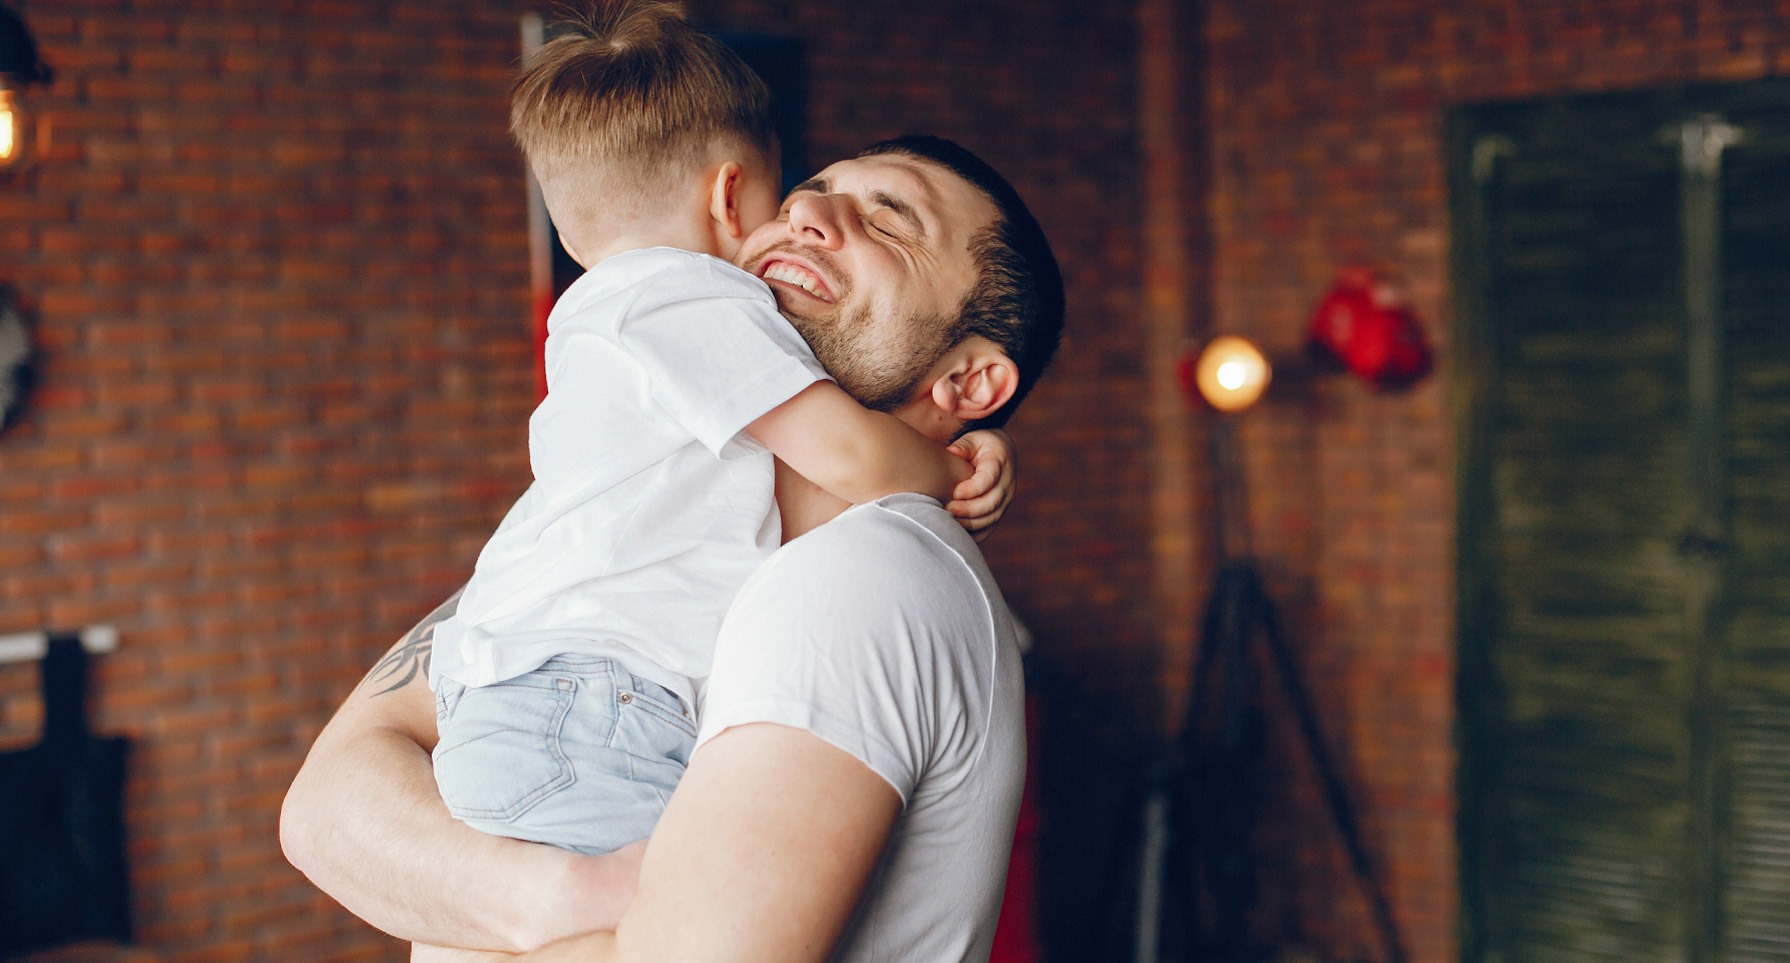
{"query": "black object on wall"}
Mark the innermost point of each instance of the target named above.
(62, 870)
(19, 61)
(17, 357)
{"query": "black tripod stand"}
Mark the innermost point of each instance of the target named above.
(1199, 819)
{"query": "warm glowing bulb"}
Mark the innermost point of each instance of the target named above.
(9, 128)
(1231, 373)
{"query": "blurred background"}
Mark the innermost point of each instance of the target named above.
(275, 260)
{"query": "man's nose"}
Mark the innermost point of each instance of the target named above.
(816, 219)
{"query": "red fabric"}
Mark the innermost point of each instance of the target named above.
(543, 307)
(1185, 367)
(1016, 934)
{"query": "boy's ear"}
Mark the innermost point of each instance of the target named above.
(978, 380)
(724, 199)
(568, 246)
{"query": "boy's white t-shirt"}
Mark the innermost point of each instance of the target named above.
(650, 507)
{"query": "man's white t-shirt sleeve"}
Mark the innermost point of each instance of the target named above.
(881, 633)
(808, 660)
(717, 362)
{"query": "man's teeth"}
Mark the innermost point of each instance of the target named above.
(790, 274)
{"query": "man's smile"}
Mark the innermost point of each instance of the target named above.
(793, 272)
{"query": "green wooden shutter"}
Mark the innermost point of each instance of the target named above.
(1754, 625)
(1583, 768)
(1624, 373)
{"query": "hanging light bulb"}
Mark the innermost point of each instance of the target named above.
(9, 127)
(19, 69)
(1231, 373)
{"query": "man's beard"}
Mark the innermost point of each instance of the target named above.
(879, 364)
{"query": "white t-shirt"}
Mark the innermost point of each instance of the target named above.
(882, 632)
(649, 508)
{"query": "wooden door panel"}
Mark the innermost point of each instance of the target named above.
(1754, 631)
(1586, 501)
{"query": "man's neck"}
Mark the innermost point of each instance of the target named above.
(803, 504)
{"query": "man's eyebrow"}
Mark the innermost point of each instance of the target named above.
(903, 209)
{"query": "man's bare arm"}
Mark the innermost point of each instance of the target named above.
(364, 821)
(761, 856)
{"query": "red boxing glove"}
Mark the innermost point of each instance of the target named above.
(1364, 323)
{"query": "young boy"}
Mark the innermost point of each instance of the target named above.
(566, 681)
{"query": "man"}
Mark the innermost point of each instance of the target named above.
(859, 768)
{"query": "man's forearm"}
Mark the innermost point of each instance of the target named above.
(362, 824)
(363, 820)
(760, 857)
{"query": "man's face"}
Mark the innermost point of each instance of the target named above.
(870, 260)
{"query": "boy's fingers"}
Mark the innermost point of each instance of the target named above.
(978, 507)
(980, 482)
(980, 526)
(976, 522)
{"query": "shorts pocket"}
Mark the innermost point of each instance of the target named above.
(651, 725)
(500, 750)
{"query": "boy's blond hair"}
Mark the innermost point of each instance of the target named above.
(629, 101)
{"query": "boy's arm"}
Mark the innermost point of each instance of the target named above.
(852, 452)
(364, 821)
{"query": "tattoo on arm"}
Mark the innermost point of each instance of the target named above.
(411, 656)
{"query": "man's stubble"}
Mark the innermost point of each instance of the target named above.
(876, 354)
(881, 364)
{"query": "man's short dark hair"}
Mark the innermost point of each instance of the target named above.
(1017, 300)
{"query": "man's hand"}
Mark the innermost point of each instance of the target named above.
(980, 500)
(364, 821)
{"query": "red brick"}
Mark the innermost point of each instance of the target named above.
(180, 602)
(78, 609)
(50, 456)
(179, 60)
(15, 209)
(78, 303)
(89, 548)
(59, 241)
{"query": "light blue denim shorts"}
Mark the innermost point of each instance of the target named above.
(579, 753)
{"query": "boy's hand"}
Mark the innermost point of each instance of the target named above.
(981, 499)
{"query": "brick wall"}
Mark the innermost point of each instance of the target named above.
(279, 261)
(1326, 121)
(279, 264)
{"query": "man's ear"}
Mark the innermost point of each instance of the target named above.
(724, 199)
(978, 380)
